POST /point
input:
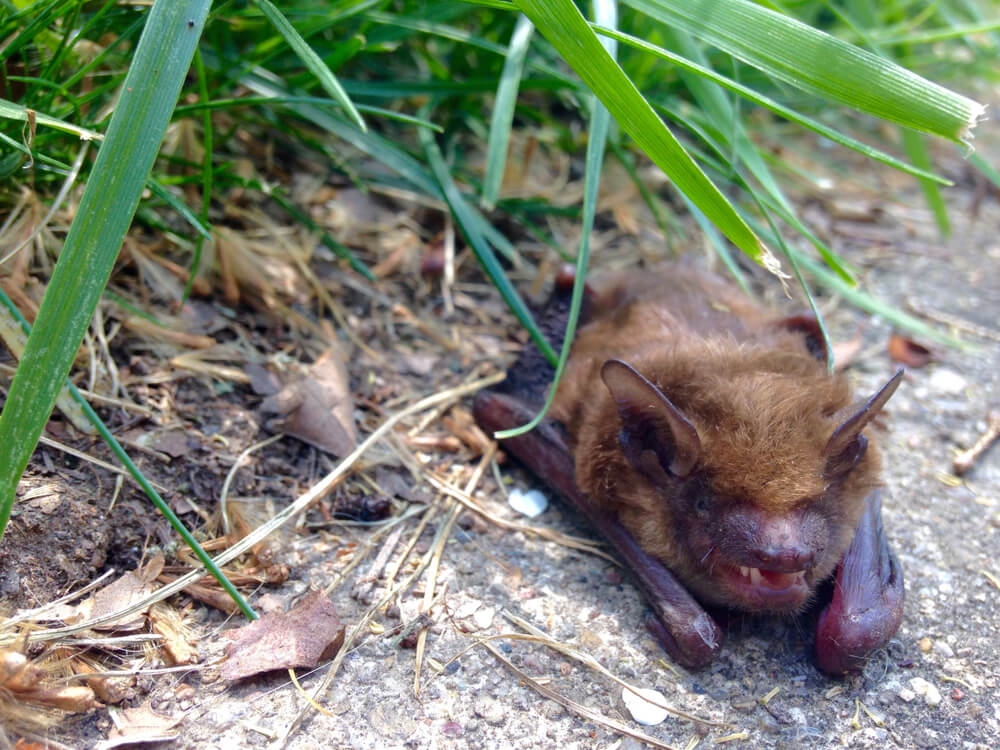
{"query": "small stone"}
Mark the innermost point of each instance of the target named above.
(483, 617)
(552, 710)
(947, 381)
(931, 695)
(944, 649)
(452, 729)
(926, 644)
(906, 695)
(489, 710)
(641, 709)
(957, 694)
(768, 724)
(530, 503)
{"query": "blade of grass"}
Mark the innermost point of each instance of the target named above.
(561, 23)
(769, 103)
(605, 11)
(915, 145)
(311, 60)
(503, 111)
(109, 201)
(207, 176)
(473, 234)
(814, 61)
(13, 111)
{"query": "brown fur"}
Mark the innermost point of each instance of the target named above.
(763, 407)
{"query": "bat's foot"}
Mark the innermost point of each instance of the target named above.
(693, 645)
(867, 603)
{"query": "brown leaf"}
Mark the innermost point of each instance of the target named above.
(844, 352)
(139, 724)
(177, 641)
(24, 680)
(301, 637)
(130, 588)
(317, 408)
(908, 352)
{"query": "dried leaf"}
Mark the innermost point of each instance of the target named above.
(844, 352)
(140, 724)
(130, 588)
(318, 408)
(908, 352)
(262, 381)
(21, 678)
(301, 637)
(177, 641)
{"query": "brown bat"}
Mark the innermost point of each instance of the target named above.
(705, 440)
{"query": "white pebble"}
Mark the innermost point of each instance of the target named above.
(641, 709)
(931, 694)
(947, 381)
(530, 503)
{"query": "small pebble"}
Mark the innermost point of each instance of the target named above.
(641, 709)
(947, 381)
(932, 697)
(530, 503)
(926, 644)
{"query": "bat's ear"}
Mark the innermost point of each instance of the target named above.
(846, 446)
(655, 436)
(812, 333)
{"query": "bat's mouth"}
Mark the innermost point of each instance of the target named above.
(762, 589)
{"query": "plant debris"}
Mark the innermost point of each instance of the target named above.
(304, 636)
(316, 408)
(908, 352)
(139, 725)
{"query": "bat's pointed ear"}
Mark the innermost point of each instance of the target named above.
(655, 435)
(812, 333)
(846, 446)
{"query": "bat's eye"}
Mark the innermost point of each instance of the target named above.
(701, 506)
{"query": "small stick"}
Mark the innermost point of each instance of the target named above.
(964, 460)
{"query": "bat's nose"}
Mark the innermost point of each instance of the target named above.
(785, 559)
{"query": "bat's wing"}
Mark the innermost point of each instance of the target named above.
(867, 603)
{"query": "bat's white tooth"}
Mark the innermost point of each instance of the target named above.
(755, 576)
(744, 571)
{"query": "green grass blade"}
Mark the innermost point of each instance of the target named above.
(814, 61)
(207, 177)
(916, 148)
(765, 101)
(605, 11)
(561, 23)
(180, 207)
(503, 110)
(472, 231)
(12, 111)
(311, 60)
(106, 208)
(382, 150)
(990, 172)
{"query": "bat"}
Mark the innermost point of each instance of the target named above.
(704, 438)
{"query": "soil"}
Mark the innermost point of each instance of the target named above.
(935, 686)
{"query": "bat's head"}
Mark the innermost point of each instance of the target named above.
(751, 482)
